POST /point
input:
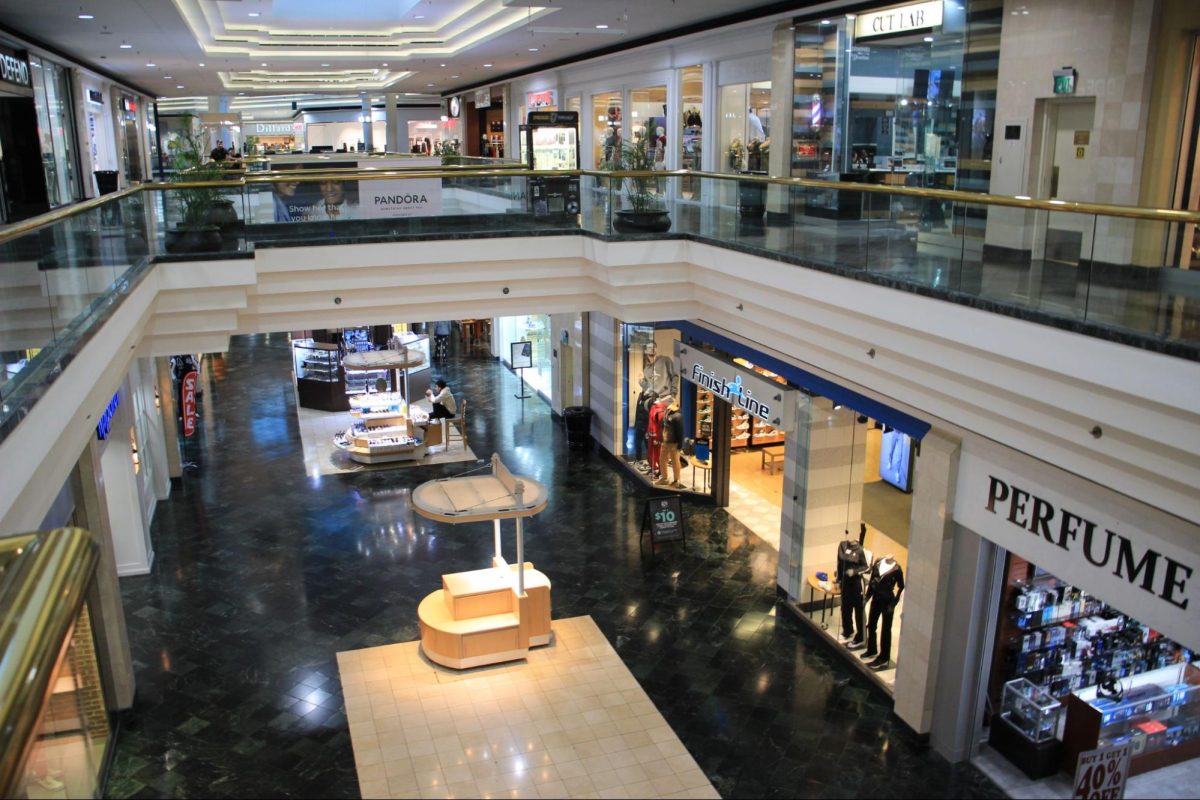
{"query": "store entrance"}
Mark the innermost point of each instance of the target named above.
(21, 173)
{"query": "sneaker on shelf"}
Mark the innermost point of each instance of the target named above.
(745, 426)
(741, 437)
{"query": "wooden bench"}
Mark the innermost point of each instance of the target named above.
(771, 456)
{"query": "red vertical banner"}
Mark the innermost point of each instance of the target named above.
(189, 403)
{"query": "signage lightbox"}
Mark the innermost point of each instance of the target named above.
(535, 100)
(483, 98)
(762, 398)
(899, 19)
(14, 67)
(420, 197)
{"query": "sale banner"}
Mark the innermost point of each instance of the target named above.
(1101, 773)
(189, 403)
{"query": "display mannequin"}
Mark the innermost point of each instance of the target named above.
(672, 440)
(852, 565)
(641, 418)
(659, 370)
(654, 431)
(884, 588)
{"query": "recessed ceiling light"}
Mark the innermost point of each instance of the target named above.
(253, 14)
(168, 77)
(179, 86)
(263, 64)
(533, 49)
(241, 93)
(453, 76)
(202, 63)
(826, 22)
(419, 16)
(929, 38)
(89, 16)
(126, 46)
(602, 27)
(441, 65)
(324, 65)
(151, 64)
(429, 84)
(384, 64)
(487, 65)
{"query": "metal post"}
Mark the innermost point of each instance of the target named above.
(496, 536)
(520, 561)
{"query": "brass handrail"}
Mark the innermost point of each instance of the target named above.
(1165, 215)
(43, 580)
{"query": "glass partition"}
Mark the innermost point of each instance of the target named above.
(648, 121)
(606, 126)
(692, 98)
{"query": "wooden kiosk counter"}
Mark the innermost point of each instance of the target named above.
(490, 615)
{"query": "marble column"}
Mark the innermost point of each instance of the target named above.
(132, 550)
(391, 116)
(104, 596)
(368, 139)
(169, 413)
(930, 542)
(783, 59)
(826, 481)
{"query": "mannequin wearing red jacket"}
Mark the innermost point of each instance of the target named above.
(654, 432)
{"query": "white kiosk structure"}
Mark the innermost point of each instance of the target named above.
(491, 615)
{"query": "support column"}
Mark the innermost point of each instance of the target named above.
(169, 412)
(104, 597)
(827, 485)
(783, 59)
(132, 550)
(930, 542)
(391, 117)
(367, 128)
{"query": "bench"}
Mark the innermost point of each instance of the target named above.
(770, 457)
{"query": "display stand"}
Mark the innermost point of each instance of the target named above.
(399, 361)
(386, 432)
(521, 358)
(492, 615)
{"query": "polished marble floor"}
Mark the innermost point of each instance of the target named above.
(263, 573)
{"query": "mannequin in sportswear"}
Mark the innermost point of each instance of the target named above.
(672, 440)
(884, 587)
(654, 432)
(641, 418)
(659, 370)
(852, 564)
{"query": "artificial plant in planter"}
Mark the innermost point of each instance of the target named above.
(204, 209)
(646, 211)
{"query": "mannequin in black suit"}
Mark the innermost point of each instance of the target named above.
(884, 587)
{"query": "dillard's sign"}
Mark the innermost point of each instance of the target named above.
(1137, 572)
(14, 68)
(898, 19)
(762, 398)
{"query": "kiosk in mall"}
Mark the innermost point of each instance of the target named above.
(491, 615)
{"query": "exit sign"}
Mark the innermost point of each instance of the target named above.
(1064, 81)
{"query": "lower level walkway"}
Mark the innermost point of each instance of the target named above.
(264, 572)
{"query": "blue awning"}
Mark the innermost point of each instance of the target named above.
(914, 427)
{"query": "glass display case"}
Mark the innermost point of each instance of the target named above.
(316, 361)
(1031, 710)
(1158, 713)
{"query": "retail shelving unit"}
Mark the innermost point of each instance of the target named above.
(383, 430)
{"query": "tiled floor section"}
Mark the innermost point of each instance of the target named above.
(571, 721)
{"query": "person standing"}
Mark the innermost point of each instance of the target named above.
(441, 339)
(672, 440)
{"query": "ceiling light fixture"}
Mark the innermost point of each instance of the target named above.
(151, 64)
(487, 65)
(826, 22)
(601, 27)
(89, 16)
(168, 77)
(324, 65)
(126, 46)
(263, 64)
(533, 49)
(429, 84)
(441, 65)
(253, 14)
(453, 76)
(929, 38)
(179, 86)
(385, 63)
(419, 16)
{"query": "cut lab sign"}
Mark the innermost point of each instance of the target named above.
(189, 403)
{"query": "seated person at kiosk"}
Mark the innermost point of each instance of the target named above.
(444, 406)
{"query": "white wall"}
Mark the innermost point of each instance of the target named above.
(96, 126)
(127, 514)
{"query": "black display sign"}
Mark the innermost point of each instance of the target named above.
(14, 67)
(553, 118)
(95, 96)
(664, 519)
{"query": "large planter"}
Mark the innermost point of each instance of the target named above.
(194, 239)
(627, 221)
(223, 214)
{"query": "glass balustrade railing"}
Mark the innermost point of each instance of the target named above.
(1108, 271)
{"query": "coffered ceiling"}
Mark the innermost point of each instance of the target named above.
(177, 48)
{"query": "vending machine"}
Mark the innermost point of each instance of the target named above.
(551, 142)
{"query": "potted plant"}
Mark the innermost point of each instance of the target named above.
(646, 211)
(204, 209)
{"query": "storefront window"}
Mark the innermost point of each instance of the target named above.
(745, 127)
(648, 121)
(650, 375)
(56, 130)
(692, 97)
(607, 128)
(534, 329)
(424, 136)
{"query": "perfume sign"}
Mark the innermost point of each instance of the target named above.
(762, 398)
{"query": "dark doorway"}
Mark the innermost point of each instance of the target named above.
(22, 179)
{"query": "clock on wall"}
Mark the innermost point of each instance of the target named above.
(455, 106)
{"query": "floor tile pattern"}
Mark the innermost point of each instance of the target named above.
(569, 721)
(263, 573)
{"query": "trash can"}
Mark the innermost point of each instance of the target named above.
(578, 420)
(106, 180)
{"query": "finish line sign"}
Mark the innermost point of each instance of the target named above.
(762, 398)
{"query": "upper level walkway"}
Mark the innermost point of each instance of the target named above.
(1066, 332)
